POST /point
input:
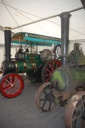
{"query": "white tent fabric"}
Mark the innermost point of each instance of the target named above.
(26, 11)
(14, 13)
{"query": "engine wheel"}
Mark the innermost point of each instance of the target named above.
(45, 98)
(11, 85)
(75, 112)
(48, 69)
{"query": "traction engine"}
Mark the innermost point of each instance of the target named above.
(36, 66)
(66, 81)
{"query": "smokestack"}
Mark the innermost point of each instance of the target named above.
(7, 34)
(64, 36)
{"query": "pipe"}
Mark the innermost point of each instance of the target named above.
(7, 34)
(64, 36)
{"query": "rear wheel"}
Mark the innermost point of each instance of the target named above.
(11, 85)
(75, 112)
(48, 69)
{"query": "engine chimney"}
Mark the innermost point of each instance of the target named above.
(7, 34)
(64, 36)
(7, 65)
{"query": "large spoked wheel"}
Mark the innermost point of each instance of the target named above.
(48, 69)
(45, 98)
(75, 113)
(11, 85)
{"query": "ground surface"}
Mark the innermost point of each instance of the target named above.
(21, 112)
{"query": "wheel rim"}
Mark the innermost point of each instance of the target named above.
(12, 85)
(45, 99)
(50, 68)
(74, 117)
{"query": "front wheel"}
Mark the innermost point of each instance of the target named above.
(45, 98)
(11, 85)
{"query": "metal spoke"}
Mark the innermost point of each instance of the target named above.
(49, 105)
(6, 88)
(50, 88)
(11, 79)
(16, 89)
(8, 81)
(48, 79)
(9, 90)
(51, 67)
(17, 82)
(47, 75)
(44, 92)
(5, 85)
(43, 104)
(56, 66)
(42, 99)
(48, 70)
(13, 90)
(17, 85)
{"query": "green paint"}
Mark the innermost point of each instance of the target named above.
(68, 78)
(77, 57)
(66, 105)
(33, 58)
(56, 100)
(57, 76)
(20, 66)
(30, 66)
(80, 76)
(32, 61)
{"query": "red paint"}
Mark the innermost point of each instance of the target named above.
(31, 57)
(50, 68)
(12, 85)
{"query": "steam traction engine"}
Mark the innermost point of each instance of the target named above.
(66, 81)
(35, 65)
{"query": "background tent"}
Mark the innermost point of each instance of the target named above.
(14, 13)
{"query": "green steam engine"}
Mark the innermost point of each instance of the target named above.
(34, 64)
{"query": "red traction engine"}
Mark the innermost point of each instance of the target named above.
(35, 65)
(66, 81)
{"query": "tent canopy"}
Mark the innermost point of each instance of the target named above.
(14, 13)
